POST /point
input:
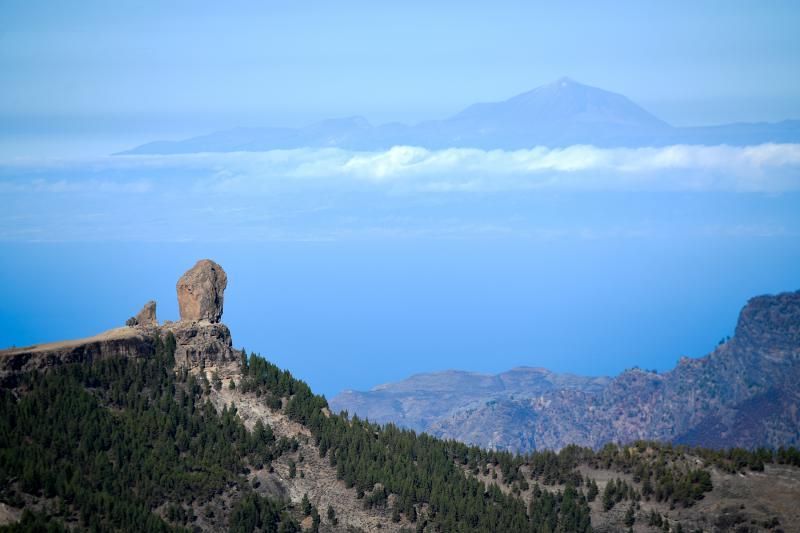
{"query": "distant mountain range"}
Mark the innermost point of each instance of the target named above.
(422, 401)
(561, 113)
(744, 393)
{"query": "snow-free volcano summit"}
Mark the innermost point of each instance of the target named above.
(562, 113)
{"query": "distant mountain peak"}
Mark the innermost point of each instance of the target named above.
(561, 113)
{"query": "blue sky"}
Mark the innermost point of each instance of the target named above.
(356, 268)
(353, 313)
(135, 69)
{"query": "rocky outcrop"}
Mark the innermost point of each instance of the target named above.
(201, 340)
(201, 291)
(771, 322)
(201, 344)
(147, 316)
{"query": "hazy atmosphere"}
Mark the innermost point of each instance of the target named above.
(362, 251)
(432, 267)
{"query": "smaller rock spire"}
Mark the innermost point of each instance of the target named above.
(147, 316)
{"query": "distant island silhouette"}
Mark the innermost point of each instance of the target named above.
(561, 113)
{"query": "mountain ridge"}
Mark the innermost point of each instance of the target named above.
(557, 114)
(701, 401)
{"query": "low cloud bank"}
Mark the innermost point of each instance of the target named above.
(762, 168)
(404, 160)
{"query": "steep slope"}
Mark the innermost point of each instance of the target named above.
(186, 433)
(557, 114)
(744, 393)
(149, 437)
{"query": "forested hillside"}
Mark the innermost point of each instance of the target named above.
(116, 442)
(166, 427)
(119, 442)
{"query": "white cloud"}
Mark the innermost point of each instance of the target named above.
(405, 161)
(767, 167)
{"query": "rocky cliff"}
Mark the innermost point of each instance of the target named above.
(201, 340)
(124, 342)
(745, 393)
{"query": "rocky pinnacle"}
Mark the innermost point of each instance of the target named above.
(200, 292)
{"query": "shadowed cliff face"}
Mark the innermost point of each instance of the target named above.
(744, 393)
(121, 342)
(770, 325)
(199, 344)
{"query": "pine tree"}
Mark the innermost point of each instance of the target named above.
(332, 516)
(305, 505)
(592, 491)
(609, 495)
(630, 517)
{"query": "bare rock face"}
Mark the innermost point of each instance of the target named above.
(147, 316)
(200, 292)
(200, 344)
(771, 322)
(200, 337)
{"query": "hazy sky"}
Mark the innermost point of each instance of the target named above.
(186, 67)
(354, 268)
